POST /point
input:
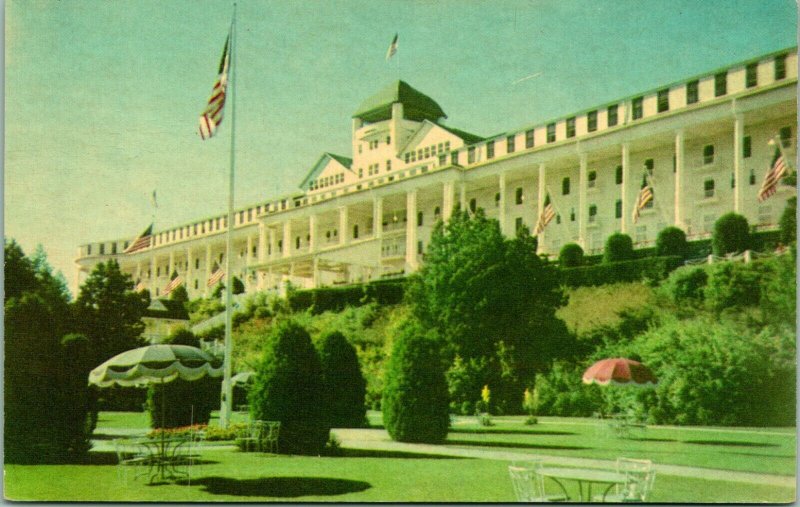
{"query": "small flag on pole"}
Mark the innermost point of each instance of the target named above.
(141, 242)
(212, 115)
(773, 177)
(216, 276)
(153, 200)
(392, 48)
(548, 213)
(173, 284)
(645, 196)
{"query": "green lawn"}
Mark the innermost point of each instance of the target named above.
(363, 476)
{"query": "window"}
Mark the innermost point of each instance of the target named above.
(572, 215)
(720, 84)
(780, 67)
(529, 138)
(751, 75)
(663, 100)
(490, 149)
(436, 212)
(473, 205)
(571, 127)
(113, 248)
(708, 154)
(454, 158)
(618, 209)
(786, 136)
(692, 92)
(592, 213)
(558, 218)
(102, 249)
(297, 243)
(388, 140)
(674, 163)
(752, 177)
(519, 196)
(420, 219)
(196, 284)
(360, 172)
(747, 147)
(158, 269)
(733, 180)
(618, 175)
(510, 144)
(443, 159)
(638, 107)
(420, 247)
(591, 179)
(518, 224)
(591, 121)
(565, 186)
(471, 155)
(355, 231)
(197, 264)
(551, 133)
(649, 165)
(388, 167)
(497, 200)
(280, 245)
(613, 115)
(708, 188)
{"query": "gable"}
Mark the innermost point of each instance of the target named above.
(436, 139)
(328, 171)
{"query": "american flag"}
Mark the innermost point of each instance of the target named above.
(216, 276)
(141, 242)
(645, 196)
(173, 284)
(548, 213)
(212, 116)
(392, 48)
(773, 177)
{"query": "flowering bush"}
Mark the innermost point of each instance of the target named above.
(179, 432)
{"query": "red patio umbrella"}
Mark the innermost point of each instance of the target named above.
(619, 371)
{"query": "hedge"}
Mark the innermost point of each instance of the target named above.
(654, 268)
(388, 292)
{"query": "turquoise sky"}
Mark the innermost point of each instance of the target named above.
(102, 97)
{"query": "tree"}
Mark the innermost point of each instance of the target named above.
(731, 234)
(179, 294)
(345, 387)
(788, 222)
(289, 388)
(415, 402)
(571, 255)
(237, 287)
(619, 247)
(109, 312)
(485, 294)
(672, 241)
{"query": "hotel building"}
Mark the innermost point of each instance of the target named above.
(702, 142)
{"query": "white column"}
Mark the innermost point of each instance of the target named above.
(153, 278)
(411, 230)
(171, 265)
(377, 217)
(583, 211)
(679, 167)
(206, 288)
(138, 271)
(501, 204)
(344, 234)
(626, 178)
(447, 200)
(262, 243)
(540, 207)
(316, 279)
(312, 233)
(738, 177)
(248, 254)
(463, 196)
(287, 238)
(273, 243)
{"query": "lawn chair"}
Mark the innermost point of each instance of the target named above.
(269, 436)
(639, 479)
(529, 484)
(130, 455)
(249, 439)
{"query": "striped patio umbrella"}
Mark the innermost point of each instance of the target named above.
(619, 371)
(156, 364)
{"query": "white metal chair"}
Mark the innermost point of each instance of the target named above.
(528, 484)
(269, 436)
(639, 479)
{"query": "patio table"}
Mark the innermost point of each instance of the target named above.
(165, 456)
(583, 476)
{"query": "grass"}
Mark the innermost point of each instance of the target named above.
(395, 476)
(589, 308)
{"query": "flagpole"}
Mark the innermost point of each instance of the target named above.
(227, 387)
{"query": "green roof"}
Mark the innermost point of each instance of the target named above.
(466, 136)
(347, 162)
(161, 308)
(416, 105)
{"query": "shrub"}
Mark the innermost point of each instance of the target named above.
(561, 392)
(415, 397)
(686, 285)
(672, 241)
(387, 292)
(788, 222)
(651, 268)
(237, 287)
(733, 285)
(731, 234)
(345, 387)
(571, 255)
(289, 388)
(619, 247)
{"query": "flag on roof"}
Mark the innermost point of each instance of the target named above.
(392, 48)
(548, 212)
(773, 177)
(141, 242)
(216, 275)
(645, 196)
(174, 283)
(212, 115)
